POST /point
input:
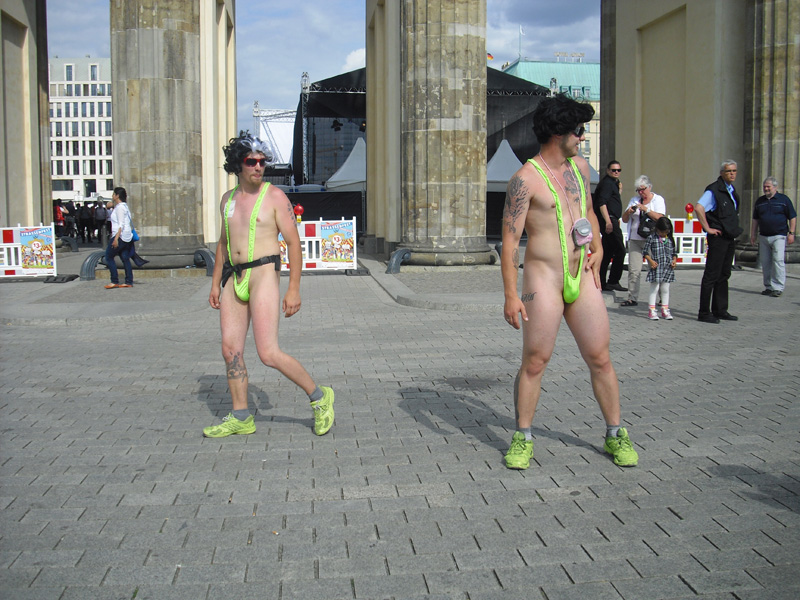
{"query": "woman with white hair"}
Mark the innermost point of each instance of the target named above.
(644, 203)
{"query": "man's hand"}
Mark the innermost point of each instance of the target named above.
(512, 310)
(712, 231)
(593, 264)
(609, 227)
(213, 297)
(291, 303)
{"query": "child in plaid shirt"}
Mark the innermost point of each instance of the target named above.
(661, 254)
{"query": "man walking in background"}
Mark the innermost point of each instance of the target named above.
(775, 220)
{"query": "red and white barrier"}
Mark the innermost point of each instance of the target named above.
(327, 245)
(689, 238)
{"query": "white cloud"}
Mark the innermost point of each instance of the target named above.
(357, 59)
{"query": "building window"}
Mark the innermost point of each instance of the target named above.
(59, 150)
(68, 91)
(108, 148)
(75, 149)
(76, 167)
(109, 171)
(108, 109)
(68, 72)
(74, 129)
(62, 185)
(59, 167)
(100, 108)
(59, 130)
(93, 72)
(109, 184)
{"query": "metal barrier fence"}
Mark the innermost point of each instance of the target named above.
(689, 238)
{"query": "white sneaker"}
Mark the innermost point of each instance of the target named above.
(665, 314)
(652, 315)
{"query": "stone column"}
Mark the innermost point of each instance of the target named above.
(155, 68)
(443, 136)
(772, 109)
(608, 92)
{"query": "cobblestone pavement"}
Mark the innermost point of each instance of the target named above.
(109, 491)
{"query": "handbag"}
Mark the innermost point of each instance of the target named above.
(646, 225)
(135, 237)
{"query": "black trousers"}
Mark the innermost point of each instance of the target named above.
(714, 286)
(613, 248)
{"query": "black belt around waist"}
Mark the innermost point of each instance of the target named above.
(228, 269)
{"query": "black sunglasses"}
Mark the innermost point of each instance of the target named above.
(578, 131)
(252, 162)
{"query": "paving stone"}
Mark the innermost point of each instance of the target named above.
(408, 495)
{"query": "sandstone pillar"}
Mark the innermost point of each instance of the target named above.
(772, 109)
(443, 132)
(156, 93)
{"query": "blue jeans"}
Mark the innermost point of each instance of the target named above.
(123, 250)
(771, 251)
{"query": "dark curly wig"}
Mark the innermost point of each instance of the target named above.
(559, 115)
(239, 148)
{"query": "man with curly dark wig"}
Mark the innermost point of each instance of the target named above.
(549, 198)
(248, 260)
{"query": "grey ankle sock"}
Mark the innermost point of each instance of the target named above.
(315, 395)
(526, 432)
(611, 430)
(241, 414)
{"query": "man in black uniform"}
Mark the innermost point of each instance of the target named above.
(608, 207)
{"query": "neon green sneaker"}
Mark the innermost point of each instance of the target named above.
(520, 453)
(323, 411)
(231, 425)
(621, 449)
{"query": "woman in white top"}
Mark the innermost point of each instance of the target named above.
(655, 207)
(121, 243)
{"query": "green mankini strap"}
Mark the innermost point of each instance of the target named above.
(242, 288)
(572, 285)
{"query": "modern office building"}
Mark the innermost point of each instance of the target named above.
(580, 80)
(81, 164)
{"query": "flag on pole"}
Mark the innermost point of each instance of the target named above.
(521, 31)
(489, 56)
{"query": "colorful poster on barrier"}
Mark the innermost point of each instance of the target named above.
(37, 251)
(326, 245)
(338, 242)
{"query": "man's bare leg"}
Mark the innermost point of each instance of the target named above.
(265, 314)
(587, 318)
(234, 323)
(539, 333)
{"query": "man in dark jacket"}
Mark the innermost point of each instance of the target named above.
(608, 208)
(775, 219)
(718, 213)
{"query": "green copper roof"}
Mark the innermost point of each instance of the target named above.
(573, 76)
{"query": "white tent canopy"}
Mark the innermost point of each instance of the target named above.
(352, 175)
(501, 167)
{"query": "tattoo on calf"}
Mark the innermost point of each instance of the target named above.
(236, 368)
(528, 297)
